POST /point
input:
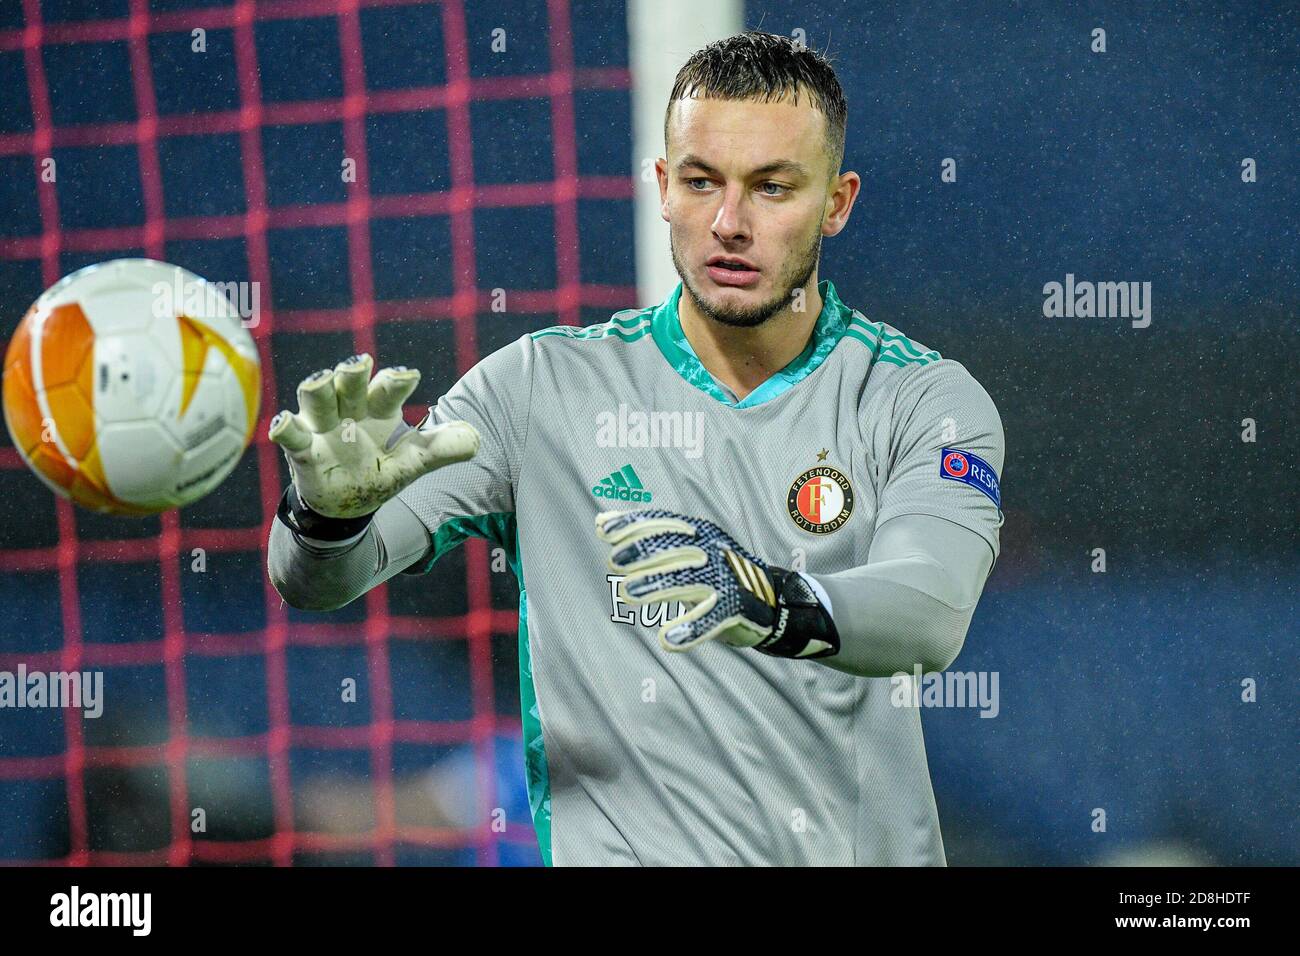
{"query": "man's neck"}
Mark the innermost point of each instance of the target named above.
(744, 358)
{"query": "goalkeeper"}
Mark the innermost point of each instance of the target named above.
(707, 627)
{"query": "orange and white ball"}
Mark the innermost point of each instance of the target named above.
(132, 387)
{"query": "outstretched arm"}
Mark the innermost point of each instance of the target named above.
(317, 575)
(322, 563)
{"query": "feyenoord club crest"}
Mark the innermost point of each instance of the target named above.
(820, 500)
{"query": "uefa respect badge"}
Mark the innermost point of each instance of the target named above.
(970, 469)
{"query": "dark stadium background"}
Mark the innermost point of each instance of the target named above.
(479, 171)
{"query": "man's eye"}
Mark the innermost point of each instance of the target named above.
(691, 183)
(768, 189)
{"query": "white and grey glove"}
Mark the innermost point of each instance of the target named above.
(349, 449)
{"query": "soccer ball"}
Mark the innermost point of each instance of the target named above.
(132, 387)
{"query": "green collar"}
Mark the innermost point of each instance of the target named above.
(666, 327)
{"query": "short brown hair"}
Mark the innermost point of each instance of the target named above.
(764, 66)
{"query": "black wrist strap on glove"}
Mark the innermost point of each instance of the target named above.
(312, 524)
(804, 627)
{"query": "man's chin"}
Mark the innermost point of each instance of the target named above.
(739, 308)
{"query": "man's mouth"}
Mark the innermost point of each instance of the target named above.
(731, 271)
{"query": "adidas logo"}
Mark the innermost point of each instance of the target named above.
(621, 485)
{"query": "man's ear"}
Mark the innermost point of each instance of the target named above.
(661, 174)
(839, 204)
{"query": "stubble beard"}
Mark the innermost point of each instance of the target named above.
(799, 269)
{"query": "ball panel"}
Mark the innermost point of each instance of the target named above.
(74, 420)
(204, 415)
(140, 462)
(22, 409)
(89, 488)
(248, 372)
(199, 339)
(133, 377)
(126, 295)
(51, 467)
(208, 465)
(66, 338)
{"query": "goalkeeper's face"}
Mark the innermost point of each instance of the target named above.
(748, 191)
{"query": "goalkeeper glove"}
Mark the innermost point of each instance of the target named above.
(735, 596)
(349, 449)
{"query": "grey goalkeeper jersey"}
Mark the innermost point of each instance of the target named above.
(719, 755)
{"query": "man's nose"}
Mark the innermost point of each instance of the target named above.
(732, 221)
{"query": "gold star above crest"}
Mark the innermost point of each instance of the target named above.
(821, 455)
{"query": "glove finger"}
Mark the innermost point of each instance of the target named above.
(445, 444)
(674, 584)
(696, 626)
(676, 553)
(350, 379)
(618, 527)
(641, 546)
(390, 389)
(318, 404)
(734, 630)
(608, 523)
(288, 431)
